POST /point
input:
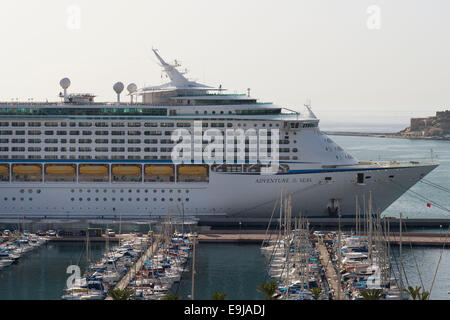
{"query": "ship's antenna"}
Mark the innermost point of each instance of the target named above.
(308, 107)
(118, 88)
(65, 83)
(131, 89)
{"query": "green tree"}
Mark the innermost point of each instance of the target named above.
(413, 292)
(117, 294)
(316, 292)
(268, 289)
(217, 295)
(424, 295)
(372, 294)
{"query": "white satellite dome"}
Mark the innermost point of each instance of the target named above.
(132, 87)
(64, 83)
(118, 87)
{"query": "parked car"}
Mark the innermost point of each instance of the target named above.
(110, 233)
(41, 233)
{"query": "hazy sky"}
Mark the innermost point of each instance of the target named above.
(357, 60)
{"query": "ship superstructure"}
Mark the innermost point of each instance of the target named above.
(89, 159)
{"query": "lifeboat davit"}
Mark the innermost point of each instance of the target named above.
(126, 170)
(192, 170)
(159, 170)
(4, 170)
(26, 169)
(93, 170)
(59, 170)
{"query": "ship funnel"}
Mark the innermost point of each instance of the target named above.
(65, 83)
(118, 88)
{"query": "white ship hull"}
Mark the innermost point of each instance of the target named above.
(226, 194)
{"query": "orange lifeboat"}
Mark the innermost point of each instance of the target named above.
(4, 170)
(126, 170)
(59, 170)
(159, 170)
(26, 169)
(98, 170)
(192, 170)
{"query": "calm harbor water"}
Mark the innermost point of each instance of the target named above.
(238, 269)
(41, 273)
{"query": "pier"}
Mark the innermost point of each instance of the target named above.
(124, 282)
(330, 272)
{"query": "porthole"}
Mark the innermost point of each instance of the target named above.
(38, 191)
(162, 199)
(104, 199)
(129, 199)
(187, 199)
(22, 191)
(72, 199)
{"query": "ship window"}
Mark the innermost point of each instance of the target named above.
(84, 124)
(360, 178)
(134, 133)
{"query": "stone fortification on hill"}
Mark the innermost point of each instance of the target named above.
(437, 126)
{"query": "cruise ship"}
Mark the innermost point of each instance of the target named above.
(81, 158)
